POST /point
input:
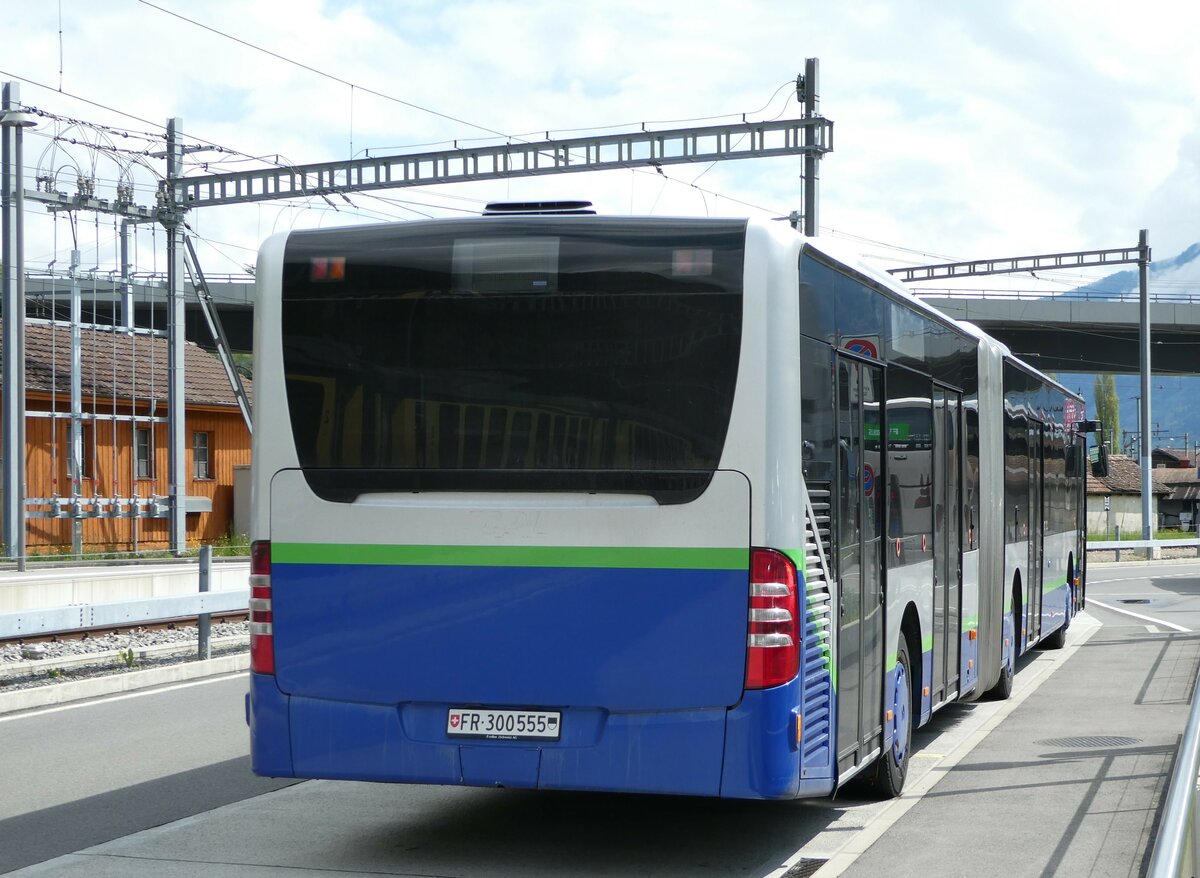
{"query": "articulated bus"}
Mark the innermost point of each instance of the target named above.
(682, 506)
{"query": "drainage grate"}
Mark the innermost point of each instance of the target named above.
(804, 868)
(1134, 601)
(1090, 742)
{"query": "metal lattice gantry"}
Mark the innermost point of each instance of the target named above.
(576, 155)
(1017, 264)
(810, 136)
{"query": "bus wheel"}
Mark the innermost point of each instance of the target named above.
(1003, 688)
(892, 766)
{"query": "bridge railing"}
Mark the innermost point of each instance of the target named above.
(1172, 298)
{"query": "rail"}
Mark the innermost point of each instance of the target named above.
(1178, 839)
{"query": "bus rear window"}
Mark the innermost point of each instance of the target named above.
(590, 354)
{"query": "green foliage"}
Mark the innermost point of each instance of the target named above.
(244, 363)
(232, 545)
(1135, 534)
(1108, 409)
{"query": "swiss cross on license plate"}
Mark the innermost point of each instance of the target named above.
(504, 725)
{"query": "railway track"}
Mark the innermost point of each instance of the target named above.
(102, 631)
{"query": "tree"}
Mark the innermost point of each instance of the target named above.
(1108, 406)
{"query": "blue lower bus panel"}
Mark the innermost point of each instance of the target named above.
(745, 752)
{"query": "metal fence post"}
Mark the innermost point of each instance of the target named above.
(204, 622)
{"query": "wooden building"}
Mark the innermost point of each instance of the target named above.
(121, 495)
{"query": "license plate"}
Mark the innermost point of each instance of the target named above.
(504, 725)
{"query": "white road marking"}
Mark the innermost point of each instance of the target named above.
(1096, 581)
(1153, 629)
(124, 696)
(1151, 619)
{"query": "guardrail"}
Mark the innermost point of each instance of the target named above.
(1178, 840)
(1142, 544)
(79, 617)
(1121, 545)
(85, 616)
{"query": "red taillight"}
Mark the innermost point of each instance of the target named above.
(773, 638)
(262, 632)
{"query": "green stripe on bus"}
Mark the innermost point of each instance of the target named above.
(1053, 584)
(512, 556)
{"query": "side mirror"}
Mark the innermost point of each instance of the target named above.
(1099, 458)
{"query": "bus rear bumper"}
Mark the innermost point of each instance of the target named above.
(712, 752)
(675, 753)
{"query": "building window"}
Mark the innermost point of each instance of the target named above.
(144, 452)
(85, 452)
(200, 462)
(86, 464)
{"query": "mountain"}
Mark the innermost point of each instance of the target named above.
(1179, 274)
(1174, 399)
(1174, 407)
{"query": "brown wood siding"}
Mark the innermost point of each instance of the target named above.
(110, 470)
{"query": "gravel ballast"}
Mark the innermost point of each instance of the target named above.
(25, 666)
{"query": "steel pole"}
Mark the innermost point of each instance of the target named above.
(812, 103)
(75, 434)
(1144, 351)
(126, 279)
(176, 412)
(204, 620)
(12, 253)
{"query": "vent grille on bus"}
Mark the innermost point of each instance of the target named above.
(818, 690)
(534, 208)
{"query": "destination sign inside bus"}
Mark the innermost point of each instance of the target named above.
(896, 432)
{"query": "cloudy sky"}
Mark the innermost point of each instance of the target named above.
(962, 130)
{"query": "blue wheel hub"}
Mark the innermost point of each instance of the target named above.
(901, 696)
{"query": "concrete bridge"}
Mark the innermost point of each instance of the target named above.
(1081, 332)
(1069, 332)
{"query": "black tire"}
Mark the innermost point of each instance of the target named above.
(1058, 639)
(892, 766)
(1003, 688)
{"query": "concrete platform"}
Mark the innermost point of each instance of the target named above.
(1071, 784)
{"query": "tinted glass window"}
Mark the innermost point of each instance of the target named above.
(588, 354)
(910, 444)
(816, 412)
(817, 289)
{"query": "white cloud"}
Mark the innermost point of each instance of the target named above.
(967, 130)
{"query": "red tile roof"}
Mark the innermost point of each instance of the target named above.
(1124, 477)
(122, 366)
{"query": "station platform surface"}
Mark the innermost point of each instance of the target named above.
(1070, 784)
